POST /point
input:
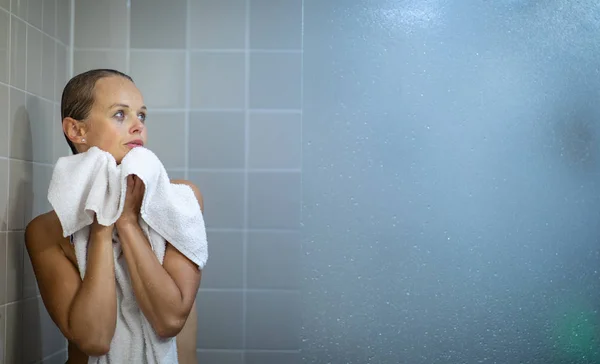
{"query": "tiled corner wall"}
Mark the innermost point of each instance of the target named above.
(34, 48)
(223, 83)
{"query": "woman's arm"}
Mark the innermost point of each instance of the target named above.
(165, 293)
(84, 310)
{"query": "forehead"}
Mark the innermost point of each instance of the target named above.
(117, 90)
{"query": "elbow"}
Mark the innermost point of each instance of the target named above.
(170, 328)
(97, 348)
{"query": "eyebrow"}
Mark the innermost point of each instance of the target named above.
(127, 106)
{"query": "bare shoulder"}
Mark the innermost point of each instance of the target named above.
(193, 187)
(43, 231)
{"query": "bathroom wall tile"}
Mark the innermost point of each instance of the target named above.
(167, 28)
(61, 71)
(220, 316)
(14, 266)
(4, 43)
(275, 140)
(218, 80)
(42, 174)
(49, 21)
(20, 194)
(3, 278)
(223, 194)
(224, 268)
(2, 333)
(176, 174)
(63, 20)
(21, 146)
(58, 358)
(14, 325)
(274, 357)
(4, 121)
(30, 287)
(48, 66)
(218, 140)
(19, 8)
(34, 13)
(218, 24)
(18, 51)
(37, 132)
(85, 60)
(166, 137)
(34, 61)
(273, 320)
(275, 80)
(101, 24)
(41, 337)
(273, 260)
(274, 200)
(4, 181)
(160, 76)
(276, 25)
(220, 357)
(5, 4)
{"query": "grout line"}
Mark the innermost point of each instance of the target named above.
(27, 92)
(71, 46)
(194, 50)
(246, 162)
(188, 89)
(128, 41)
(301, 113)
(55, 38)
(9, 46)
(232, 110)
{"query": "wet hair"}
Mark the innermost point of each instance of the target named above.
(78, 95)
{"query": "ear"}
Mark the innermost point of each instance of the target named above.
(74, 130)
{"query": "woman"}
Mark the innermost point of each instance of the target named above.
(104, 108)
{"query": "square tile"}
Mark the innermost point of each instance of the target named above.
(220, 357)
(61, 71)
(5, 4)
(274, 200)
(176, 174)
(223, 194)
(167, 28)
(101, 24)
(275, 140)
(34, 13)
(38, 131)
(18, 52)
(30, 287)
(273, 320)
(34, 61)
(85, 60)
(60, 146)
(41, 337)
(220, 319)
(160, 76)
(14, 325)
(3, 278)
(49, 18)
(14, 266)
(4, 42)
(4, 181)
(166, 137)
(58, 358)
(266, 357)
(275, 80)
(48, 66)
(218, 80)
(20, 195)
(276, 25)
(273, 260)
(226, 260)
(217, 140)
(4, 121)
(218, 24)
(21, 141)
(42, 174)
(63, 20)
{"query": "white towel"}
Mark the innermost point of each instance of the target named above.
(91, 183)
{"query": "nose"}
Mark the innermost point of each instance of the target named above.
(137, 127)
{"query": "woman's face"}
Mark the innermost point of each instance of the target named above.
(115, 123)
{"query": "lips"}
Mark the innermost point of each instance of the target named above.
(135, 144)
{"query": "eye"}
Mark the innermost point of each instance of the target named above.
(142, 117)
(120, 115)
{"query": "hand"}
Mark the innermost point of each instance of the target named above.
(133, 200)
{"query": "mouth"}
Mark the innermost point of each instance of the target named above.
(135, 143)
